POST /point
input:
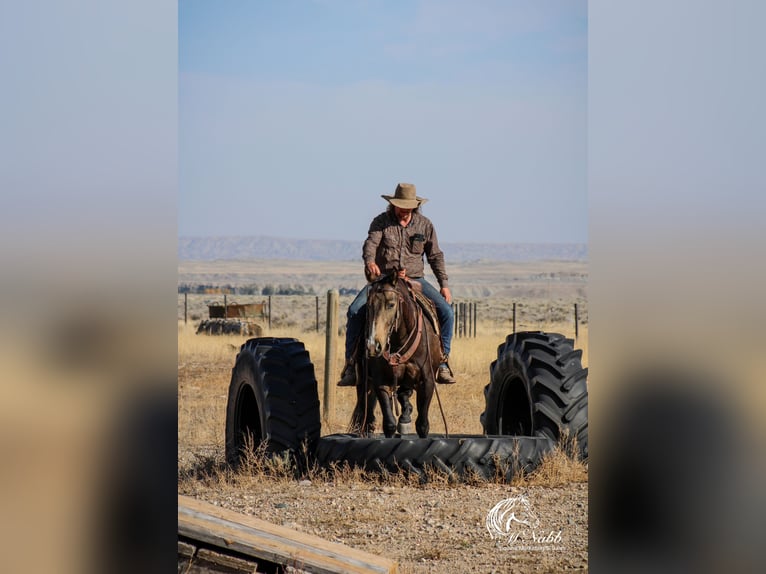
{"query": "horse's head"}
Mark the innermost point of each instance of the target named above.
(383, 308)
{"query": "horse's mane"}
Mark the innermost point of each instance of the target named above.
(404, 288)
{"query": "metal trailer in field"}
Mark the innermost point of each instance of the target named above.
(233, 319)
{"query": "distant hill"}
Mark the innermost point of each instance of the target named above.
(243, 248)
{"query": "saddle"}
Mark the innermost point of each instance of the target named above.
(428, 307)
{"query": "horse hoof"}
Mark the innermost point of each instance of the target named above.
(404, 428)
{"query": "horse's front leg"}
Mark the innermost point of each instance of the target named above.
(385, 399)
(425, 394)
(403, 395)
(372, 401)
(363, 417)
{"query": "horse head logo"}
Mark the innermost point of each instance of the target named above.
(510, 514)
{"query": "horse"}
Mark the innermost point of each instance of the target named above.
(401, 354)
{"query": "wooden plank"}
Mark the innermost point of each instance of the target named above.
(186, 550)
(251, 536)
(227, 561)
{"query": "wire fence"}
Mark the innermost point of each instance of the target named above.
(305, 313)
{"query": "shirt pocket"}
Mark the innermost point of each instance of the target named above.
(417, 243)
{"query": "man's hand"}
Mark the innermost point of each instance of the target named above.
(373, 271)
(446, 294)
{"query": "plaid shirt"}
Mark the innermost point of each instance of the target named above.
(394, 247)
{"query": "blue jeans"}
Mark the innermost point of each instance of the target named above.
(357, 313)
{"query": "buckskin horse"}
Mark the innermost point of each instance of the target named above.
(401, 354)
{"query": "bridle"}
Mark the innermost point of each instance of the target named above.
(410, 345)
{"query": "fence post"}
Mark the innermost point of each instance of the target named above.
(269, 312)
(331, 350)
(186, 297)
(457, 321)
(576, 321)
(317, 313)
(225, 307)
(469, 322)
(466, 320)
(475, 317)
(514, 317)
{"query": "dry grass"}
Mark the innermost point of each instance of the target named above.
(257, 467)
(204, 371)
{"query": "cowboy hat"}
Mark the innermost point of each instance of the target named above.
(405, 197)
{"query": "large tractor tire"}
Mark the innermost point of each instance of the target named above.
(459, 456)
(538, 388)
(273, 398)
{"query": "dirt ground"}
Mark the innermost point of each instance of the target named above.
(423, 528)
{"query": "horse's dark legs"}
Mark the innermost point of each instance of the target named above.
(421, 423)
(372, 402)
(403, 396)
(386, 407)
(363, 418)
(425, 394)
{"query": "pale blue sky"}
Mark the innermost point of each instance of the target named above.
(295, 116)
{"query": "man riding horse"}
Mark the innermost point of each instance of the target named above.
(396, 242)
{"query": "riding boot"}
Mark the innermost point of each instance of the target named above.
(348, 376)
(444, 375)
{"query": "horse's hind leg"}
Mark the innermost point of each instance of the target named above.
(404, 424)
